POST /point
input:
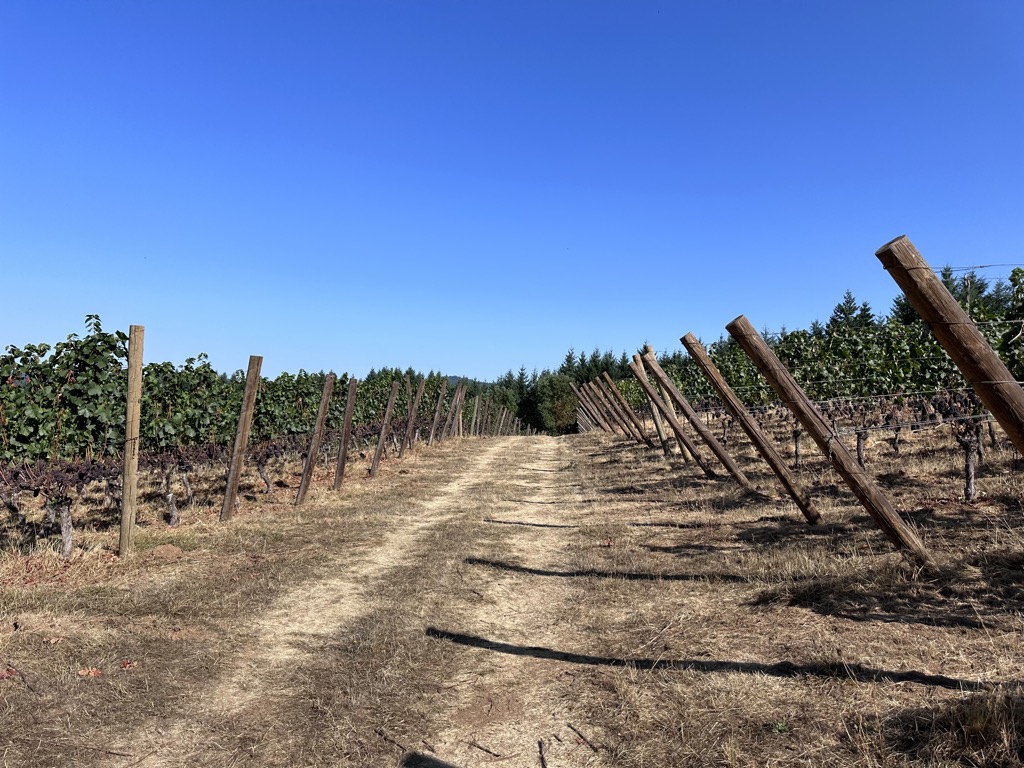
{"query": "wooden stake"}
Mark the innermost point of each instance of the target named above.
(384, 428)
(314, 440)
(592, 410)
(414, 409)
(476, 415)
(597, 391)
(252, 385)
(673, 422)
(659, 425)
(874, 501)
(701, 429)
(437, 410)
(958, 335)
(346, 433)
(760, 440)
(627, 410)
(130, 477)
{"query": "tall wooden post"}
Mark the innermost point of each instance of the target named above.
(252, 385)
(673, 422)
(476, 415)
(958, 335)
(659, 425)
(760, 440)
(437, 410)
(130, 477)
(649, 350)
(414, 409)
(315, 440)
(874, 501)
(596, 390)
(346, 433)
(384, 428)
(699, 426)
(627, 409)
(588, 405)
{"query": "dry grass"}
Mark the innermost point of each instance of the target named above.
(578, 599)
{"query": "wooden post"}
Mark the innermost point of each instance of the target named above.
(673, 422)
(476, 415)
(699, 426)
(252, 385)
(760, 440)
(592, 410)
(437, 410)
(874, 501)
(958, 335)
(314, 440)
(614, 417)
(346, 433)
(449, 421)
(649, 350)
(130, 476)
(384, 428)
(627, 409)
(414, 409)
(659, 425)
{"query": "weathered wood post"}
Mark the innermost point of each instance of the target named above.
(314, 440)
(384, 428)
(760, 440)
(437, 410)
(476, 416)
(699, 426)
(130, 476)
(958, 335)
(592, 410)
(627, 409)
(789, 392)
(611, 414)
(346, 433)
(659, 425)
(252, 385)
(414, 409)
(673, 422)
(649, 350)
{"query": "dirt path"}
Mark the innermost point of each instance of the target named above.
(516, 498)
(513, 707)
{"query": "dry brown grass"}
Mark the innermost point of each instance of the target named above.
(496, 601)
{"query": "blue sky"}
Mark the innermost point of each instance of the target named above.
(475, 186)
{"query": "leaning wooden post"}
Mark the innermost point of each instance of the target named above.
(476, 415)
(437, 410)
(649, 350)
(414, 409)
(958, 335)
(252, 385)
(130, 476)
(627, 409)
(449, 421)
(384, 428)
(760, 440)
(699, 426)
(874, 501)
(314, 440)
(673, 422)
(659, 425)
(611, 413)
(592, 410)
(346, 433)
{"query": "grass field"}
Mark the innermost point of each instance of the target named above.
(541, 601)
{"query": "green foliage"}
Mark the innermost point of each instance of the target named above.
(64, 402)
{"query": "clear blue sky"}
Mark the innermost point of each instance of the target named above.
(474, 186)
